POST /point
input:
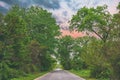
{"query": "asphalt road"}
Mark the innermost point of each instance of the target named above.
(59, 75)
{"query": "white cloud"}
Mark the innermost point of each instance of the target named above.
(5, 5)
(70, 7)
(63, 15)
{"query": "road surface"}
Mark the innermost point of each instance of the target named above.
(59, 75)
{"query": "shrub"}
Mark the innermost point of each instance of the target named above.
(6, 73)
(100, 72)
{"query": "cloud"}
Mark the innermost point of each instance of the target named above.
(51, 4)
(62, 9)
(7, 1)
(73, 34)
(3, 7)
(63, 14)
(70, 7)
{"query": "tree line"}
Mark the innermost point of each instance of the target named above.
(29, 37)
(99, 52)
(27, 41)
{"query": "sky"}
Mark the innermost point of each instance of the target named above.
(62, 10)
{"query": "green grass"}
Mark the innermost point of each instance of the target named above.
(30, 76)
(83, 73)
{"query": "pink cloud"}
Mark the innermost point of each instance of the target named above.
(73, 34)
(112, 6)
(2, 3)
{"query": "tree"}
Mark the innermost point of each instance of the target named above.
(14, 38)
(1, 35)
(94, 20)
(27, 40)
(43, 29)
(100, 22)
(113, 50)
(114, 47)
(77, 62)
(64, 50)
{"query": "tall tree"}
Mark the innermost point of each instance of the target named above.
(114, 45)
(106, 26)
(14, 38)
(94, 20)
(43, 29)
(64, 50)
(100, 22)
(27, 40)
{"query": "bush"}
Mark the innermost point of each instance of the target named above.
(7, 73)
(30, 68)
(100, 72)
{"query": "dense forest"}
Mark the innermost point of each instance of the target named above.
(30, 37)
(27, 41)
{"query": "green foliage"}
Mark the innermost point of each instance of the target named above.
(42, 26)
(102, 52)
(64, 49)
(85, 73)
(42, 30)
(95, 20)
(27, 40)
(113, 49)
(100, 72)
(7, 73)
(30, 76)
(118, 7)
(70, 50)
(94, 57)
(77, 63)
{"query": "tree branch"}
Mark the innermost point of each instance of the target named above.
(97, 34)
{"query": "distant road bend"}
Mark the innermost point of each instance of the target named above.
(59, 75)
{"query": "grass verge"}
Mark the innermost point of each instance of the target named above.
(83, 73)
(30, 76)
